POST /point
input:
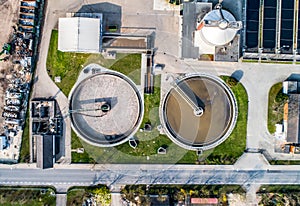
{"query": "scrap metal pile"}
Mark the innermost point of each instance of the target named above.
(20, 50)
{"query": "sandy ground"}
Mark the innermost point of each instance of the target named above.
(9, 10)
(237, 200)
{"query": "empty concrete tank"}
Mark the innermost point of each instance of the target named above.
(106, 108)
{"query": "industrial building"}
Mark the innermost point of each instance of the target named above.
(209, 33)
(288, 133)
(45, 154)
(80, 34)
(46, 130)
(199, 112)
(106, 108)
(93, 33)
(272, 30)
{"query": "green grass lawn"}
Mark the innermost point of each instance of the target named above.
(68, 65)
(27, 196)
(79, 157)
(284, 162)
(250, 61)
(268, 62)
(230, 150)
(24, 151)
(279, 188)
(76, 197)
(130, 65)
(275, 106)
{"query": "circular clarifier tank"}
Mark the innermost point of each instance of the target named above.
(106, 109)
(199, 112)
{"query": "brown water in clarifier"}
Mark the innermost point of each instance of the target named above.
(214, 122)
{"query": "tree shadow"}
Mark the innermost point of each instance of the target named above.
(238, 74)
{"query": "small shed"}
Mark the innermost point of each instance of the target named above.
(204, 201)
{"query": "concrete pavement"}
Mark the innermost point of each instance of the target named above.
(251, 194)
(61, 199)
(116, 199)
(252, 160)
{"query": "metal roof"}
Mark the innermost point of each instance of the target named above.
(79, 34)
(45, 156)
(293, 134)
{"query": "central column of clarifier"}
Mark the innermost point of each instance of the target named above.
(105, 107)
(198, 111)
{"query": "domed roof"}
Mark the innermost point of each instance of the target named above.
(219, 27)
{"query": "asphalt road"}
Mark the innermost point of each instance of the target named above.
(124, 175)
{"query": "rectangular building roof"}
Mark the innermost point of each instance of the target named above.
(293, 118)
(204, 201)
(79, 34)
(45, 156)
(192, 11)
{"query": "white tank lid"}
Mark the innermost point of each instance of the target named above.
(220, 34)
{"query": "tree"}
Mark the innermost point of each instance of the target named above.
(281, 97)
(102, 195)
(179, 196)
(161, 196)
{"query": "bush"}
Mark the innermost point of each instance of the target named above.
(102, 195)
(281, 97)
(231, 81)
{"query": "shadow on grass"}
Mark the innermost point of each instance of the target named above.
(233, 147)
